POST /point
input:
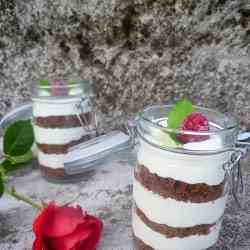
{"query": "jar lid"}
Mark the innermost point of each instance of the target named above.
(87, 155)
(60, 88)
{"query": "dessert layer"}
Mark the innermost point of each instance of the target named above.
(54, 161)
(49, 172)
(171, 232)
(183, 167)
(61, 149)
(61, 107)
(58, 136)
(158, 241)
(69, 121)
(178, 190)
(140, 245)
(177, 213)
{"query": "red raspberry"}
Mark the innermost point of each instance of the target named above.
(59, 88)
(194, 122)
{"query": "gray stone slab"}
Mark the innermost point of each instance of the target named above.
(107, 193)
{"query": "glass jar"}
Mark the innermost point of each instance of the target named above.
(62, 118)
(180, 190)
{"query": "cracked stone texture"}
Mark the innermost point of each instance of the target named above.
(107, 193)
(134, 52)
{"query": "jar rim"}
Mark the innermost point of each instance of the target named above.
(65, 88)
(45, 83)
(232, 126)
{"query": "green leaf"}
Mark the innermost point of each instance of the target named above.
(18, 138)
(6, 165)
(27, 157)
(17, 162)
(44, 83)
(179, 112)
(1, 185)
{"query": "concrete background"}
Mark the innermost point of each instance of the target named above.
(135, 52)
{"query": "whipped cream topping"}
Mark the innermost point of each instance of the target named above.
(57, 107)
(213, 143)
(183, 167)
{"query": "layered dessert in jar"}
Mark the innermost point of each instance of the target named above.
(62, 118)
(180, 185)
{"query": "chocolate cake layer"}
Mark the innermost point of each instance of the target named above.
(171, 232)
(140, 245)
(178, 190)
(51, 173)
(69, 121)
(61, 149)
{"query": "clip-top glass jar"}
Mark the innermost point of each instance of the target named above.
(180, 189)
(62, 118)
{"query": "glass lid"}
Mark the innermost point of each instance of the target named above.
(63, 88)
(152, 126)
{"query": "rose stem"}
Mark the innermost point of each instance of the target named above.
(20, 197)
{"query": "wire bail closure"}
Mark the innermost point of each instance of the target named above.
(234, 174)
(82, 118)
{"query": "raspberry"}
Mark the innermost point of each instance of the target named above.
(59, 88)
(194, 122)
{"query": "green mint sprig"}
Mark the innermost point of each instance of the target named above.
(17, 142)
(177, 115)
(179, 112)
(44, 83)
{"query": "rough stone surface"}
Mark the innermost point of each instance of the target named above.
(106, 193)
(135, 52)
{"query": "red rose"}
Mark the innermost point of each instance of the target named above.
(66, 228)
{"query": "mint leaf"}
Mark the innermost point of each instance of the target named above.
(72, 82)
(18, 138)
(179, 112)
(1, 185)
(44, 83)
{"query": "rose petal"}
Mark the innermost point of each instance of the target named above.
(63, 221)
(38, 224)
(92, 241)
(38, 244)
(85, 237)
(69, 241)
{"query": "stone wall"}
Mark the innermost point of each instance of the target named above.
(135, 52)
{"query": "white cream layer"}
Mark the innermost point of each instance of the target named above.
(51, 160)
(61, 107)
(177, 213)
(159, 242)
(183, 167)
(58, 136)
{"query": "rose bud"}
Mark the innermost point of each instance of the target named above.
(66, 228)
